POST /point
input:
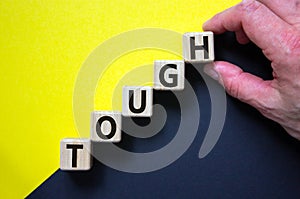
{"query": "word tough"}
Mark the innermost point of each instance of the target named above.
(106, 126)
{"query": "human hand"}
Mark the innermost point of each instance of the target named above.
(274, 26)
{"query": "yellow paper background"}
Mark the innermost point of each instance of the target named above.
(43, 44)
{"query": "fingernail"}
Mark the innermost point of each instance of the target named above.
(209, 69)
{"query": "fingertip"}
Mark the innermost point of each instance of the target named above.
(205, 25)
(214, 24)
(215, 70)
(242, 85)
(221, 71)
(225, 67)
(209, 69)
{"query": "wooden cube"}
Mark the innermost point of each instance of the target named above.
(75, 154)
(137, 101)
(169, 75)
(106, 126)
(198, 47)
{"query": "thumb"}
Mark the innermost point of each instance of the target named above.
(241, 85)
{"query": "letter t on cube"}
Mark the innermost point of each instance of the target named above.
(75, 154)
(198, 47)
